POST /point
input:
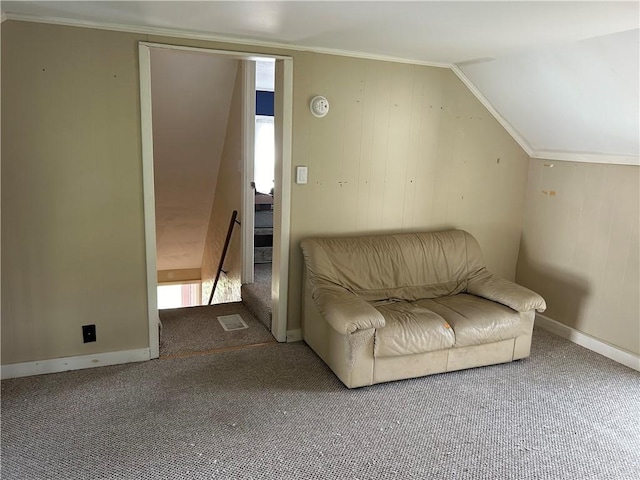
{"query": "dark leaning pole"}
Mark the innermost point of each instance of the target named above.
(232, 223)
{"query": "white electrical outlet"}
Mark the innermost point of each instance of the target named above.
(301, 175)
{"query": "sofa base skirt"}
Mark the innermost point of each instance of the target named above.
(419, 365)
(351, 358)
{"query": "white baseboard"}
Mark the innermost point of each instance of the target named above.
(294, 335)
(587, 341)
(56, 365)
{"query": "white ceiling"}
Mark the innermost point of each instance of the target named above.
(441, 32)
(575, 97)
(562, 76)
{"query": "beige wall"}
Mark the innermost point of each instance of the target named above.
(403, 147)
(72, 215)
(228, 197)
(580, 247)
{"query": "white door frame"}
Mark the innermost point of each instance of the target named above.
(282, 203)
(248, 155)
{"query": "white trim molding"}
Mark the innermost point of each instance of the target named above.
(3, 16)
(616, 354)
(56, 365)
(238, 55)
(148, 189)
(248, 164)
(294, 335)
(283, 126)
(282, 207)
(520, 140)
(209, 37)
(586, 157)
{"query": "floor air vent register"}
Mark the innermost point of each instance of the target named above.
(232, 322)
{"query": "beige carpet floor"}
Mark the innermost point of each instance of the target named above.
(276, 412)
(197, 330)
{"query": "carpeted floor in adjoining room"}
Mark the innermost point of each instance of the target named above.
(277, 412)
(257, 295)
(196, 329)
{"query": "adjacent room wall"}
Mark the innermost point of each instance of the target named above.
(72, 213)
(581, 249)
(228, 197)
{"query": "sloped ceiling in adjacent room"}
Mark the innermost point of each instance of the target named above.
(562, 77)
(191, 95)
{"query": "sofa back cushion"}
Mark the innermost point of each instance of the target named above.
(406, 266)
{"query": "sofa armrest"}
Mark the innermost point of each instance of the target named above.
(345, 311)
(519, 298)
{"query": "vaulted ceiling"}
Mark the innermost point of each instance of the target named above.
(562, 77)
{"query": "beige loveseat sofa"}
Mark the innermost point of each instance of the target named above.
(387, 307)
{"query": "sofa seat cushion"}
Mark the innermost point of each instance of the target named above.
(410, 329)
(476, 321)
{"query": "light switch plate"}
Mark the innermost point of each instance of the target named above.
(301, 175)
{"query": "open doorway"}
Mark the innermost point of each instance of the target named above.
(281, 197)
(256, 294)
(193, 131)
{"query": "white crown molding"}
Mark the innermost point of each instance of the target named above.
(3, 16)
(185, 34)
(587, 341)
(371, 56)
(56, 365)
(520, 140)
(227, 53)
(586, 157)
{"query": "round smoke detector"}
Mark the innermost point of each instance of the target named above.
(319, 106)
